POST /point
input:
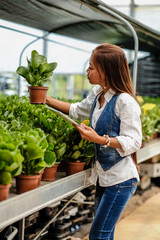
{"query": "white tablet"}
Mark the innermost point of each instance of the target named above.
(65, 117)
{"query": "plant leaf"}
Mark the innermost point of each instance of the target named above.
(22, 71)
(49, 158)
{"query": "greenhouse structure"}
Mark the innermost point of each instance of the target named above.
(34, 139)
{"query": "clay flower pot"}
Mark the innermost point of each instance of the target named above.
(38, 94)
(26, 183)
(4, 190)
(50, 173)
(74, 167)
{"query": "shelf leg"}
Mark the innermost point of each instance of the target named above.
(21, 229)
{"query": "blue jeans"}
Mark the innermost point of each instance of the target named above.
(109, 204)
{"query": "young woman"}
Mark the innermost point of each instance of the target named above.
(115, 128)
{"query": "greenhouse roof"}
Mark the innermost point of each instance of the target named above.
(83, 19)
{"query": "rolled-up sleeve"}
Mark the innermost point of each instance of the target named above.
(130, 136)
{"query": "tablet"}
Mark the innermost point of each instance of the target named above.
(65, 117)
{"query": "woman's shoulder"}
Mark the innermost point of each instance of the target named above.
(126, 100)
(126, 97)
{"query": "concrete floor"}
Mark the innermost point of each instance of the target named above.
(141, 224)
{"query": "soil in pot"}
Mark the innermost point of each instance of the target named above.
(26, 183)
(38, 94)
(74, 167)
(50, 173)
(4, 190)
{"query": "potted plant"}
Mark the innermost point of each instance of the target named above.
(150, 122)
(36, 159)
(10, 159)
(78, 154)
(54, 147)
(37, 74)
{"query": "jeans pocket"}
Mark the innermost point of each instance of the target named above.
(134, 186)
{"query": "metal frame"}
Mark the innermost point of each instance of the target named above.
(104, 7)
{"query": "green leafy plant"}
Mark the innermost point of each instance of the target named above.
(78, 149)
(11, 158)
(29, 143)
(38, 72)
(150, 123)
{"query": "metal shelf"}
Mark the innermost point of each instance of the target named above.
(150, 150)
(17, 207)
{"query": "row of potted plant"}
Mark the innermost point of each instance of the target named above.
(33, 123)
(24, 152)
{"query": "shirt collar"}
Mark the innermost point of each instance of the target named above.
(108, 95)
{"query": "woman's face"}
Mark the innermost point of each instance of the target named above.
(94, 75)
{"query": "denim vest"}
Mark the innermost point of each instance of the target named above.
(108, 124)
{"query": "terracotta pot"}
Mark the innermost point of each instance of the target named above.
(50, 173)
(74, 167)
(38, 94)
(154, 136)
(26, 183)
(4, 190)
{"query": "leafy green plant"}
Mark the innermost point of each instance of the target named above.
(30, 143)
(61, 136)
(78, 149)
(38, 72)
(150, 123)
(11, 158)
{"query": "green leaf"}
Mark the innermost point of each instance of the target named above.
(22, 71)
(61, 150)
(30, 78)
(17, 171)
(35, 59)
(51, 67)
(89, 151)
(49, 158)
(12, 167)
(43, 67)
(33, 151)
(50, 147)
(51, 139)
(6, 156)
(76, 155)
(5, 177)
(2, 164)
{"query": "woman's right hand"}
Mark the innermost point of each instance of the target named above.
(57, 104)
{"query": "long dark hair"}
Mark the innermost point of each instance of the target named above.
(112, 61)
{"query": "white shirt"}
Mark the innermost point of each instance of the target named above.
(130, 136)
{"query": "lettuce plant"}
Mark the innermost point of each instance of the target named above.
(23, 150)
(38, 72)
(11, 158)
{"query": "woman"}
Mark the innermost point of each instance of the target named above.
(115, 130)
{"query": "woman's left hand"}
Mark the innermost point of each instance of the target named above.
(87, 133)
